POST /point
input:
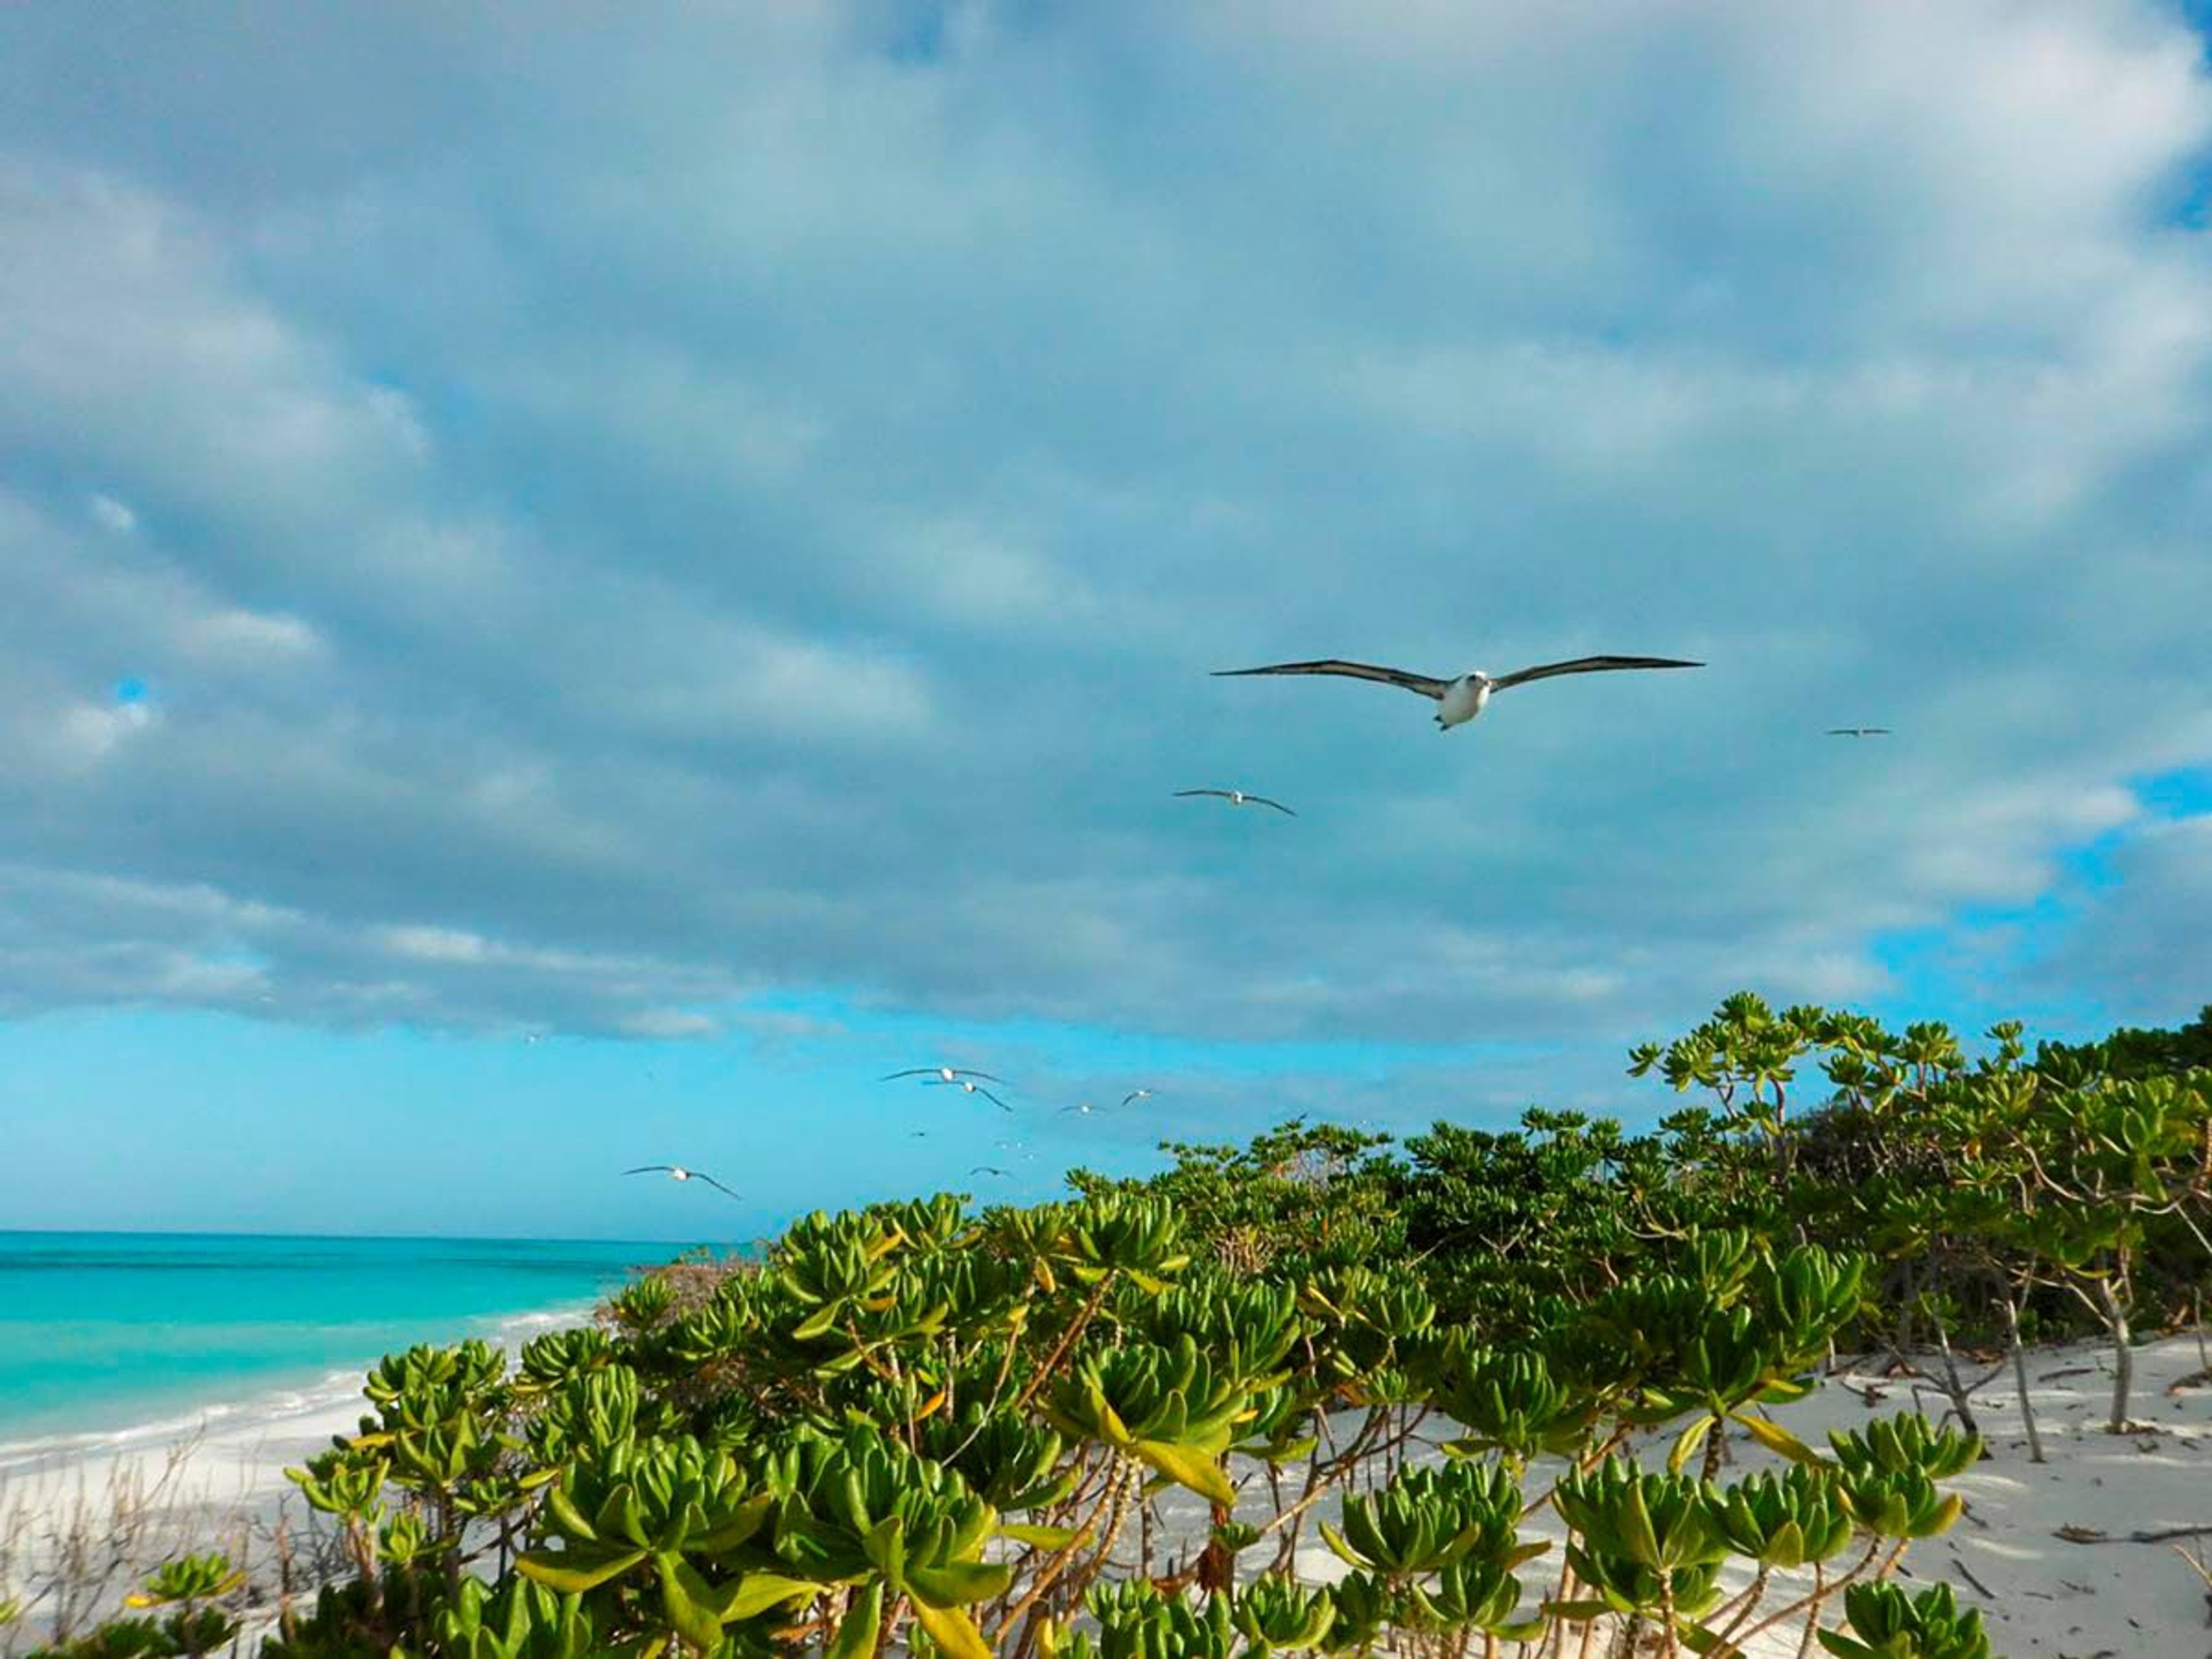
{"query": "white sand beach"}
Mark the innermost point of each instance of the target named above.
(82, 1518)
(2064, 1559)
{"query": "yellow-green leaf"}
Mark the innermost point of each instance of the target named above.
(1044, 1538)
(556, 1572)
(952, 1630)
(756, 1592)
(1687, 1441)
(1776, 1438)
(1188, 1467)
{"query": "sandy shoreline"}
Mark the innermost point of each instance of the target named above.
(2102, 1589)
(210, 1479)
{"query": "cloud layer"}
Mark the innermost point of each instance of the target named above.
(612, 529)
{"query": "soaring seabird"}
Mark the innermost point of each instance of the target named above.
(1462, 699)
(677, 1172)
(1137, 1094)
(987, 1169)
(1858, 732)
(1237, 798)
(970, 1088)
(942, 1074)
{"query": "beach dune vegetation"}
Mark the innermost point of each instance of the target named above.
(1499, 1392)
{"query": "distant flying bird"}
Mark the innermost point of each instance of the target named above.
(1858, 732)
(987, 1169)
(1085, 1109)
(970, 1088)
(1137, 1094)
(943, 1074)
(677, 1172)
(1461, 699)
(1237, 798)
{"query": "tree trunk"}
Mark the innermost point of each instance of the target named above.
(2019, 1375)
(1954, 1388)
(2124, 1358)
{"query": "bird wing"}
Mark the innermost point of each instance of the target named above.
(1586, 666)
(985, 1076)
(1842, 731)
(1878, 732)
(650, 1168)
(1262, 800)
(1223, 794)
(914, 1071)
(994, 1099)
(715, 1184)
(1352, 671)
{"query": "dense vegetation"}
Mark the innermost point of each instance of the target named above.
(1104, 1428)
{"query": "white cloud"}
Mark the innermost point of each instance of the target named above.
(236, 633)
(710, 519)
(112, 514)
(85, 734)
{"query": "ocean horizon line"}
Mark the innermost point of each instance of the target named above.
(432, 1237)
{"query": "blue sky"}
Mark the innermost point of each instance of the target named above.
(568, 598)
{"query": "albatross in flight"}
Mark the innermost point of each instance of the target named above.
(1237, 798)
(941, 1073)
(1858, 732)
(1461, 699)
(677, 1172)
(964, 1084)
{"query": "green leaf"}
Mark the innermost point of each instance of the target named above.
(957, 1583)
(1577, 1610)
(951, 1629)
(745, 1520)
(1343, 1551)
(863, 1621)
(1635, 1516)
(1776, 1438)
(688, 1601)
(576, 1571)
(1044, 1538)
(756, 1592)
(1188, 1467)
(1687, 1441)
(884, 1545)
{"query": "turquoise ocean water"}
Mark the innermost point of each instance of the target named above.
(106, 1331)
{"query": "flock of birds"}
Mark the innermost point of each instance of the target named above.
(1458, 701)
(932, 1076)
